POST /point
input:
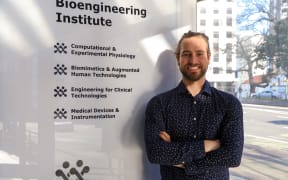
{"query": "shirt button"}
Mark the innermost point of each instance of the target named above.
(195, 102)
(194, 136)
(194, 118)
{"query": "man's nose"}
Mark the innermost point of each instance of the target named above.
(192, 59)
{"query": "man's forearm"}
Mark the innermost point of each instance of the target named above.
(209, 145)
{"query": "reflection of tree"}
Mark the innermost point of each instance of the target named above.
(275, 46)
(255, 16)
(245, 51)
(269, 51)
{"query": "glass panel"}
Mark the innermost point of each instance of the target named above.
(250, 50)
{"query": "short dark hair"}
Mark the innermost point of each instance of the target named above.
(192, 34)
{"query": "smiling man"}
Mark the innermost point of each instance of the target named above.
(194, 131)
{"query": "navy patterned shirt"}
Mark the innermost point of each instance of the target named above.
(211, 115)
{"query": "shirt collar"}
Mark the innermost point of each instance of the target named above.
(206, 89)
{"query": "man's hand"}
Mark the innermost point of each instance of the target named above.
(211, 145)
(165, 136)
(180, 166)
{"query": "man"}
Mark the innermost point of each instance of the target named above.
(194, 131)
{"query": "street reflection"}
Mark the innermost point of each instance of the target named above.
(266, 143)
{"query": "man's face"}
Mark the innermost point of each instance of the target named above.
(193, 60)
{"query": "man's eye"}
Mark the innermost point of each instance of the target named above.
(186, 55)
(200, 54)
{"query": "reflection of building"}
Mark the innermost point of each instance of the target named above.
(217, 19)
(279, 9)
(284, 9)
(276, 84)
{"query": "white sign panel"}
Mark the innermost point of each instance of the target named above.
(75, 77)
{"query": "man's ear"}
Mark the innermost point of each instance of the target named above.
(209, 58)
(178, 60)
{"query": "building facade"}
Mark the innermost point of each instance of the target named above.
(217, 19)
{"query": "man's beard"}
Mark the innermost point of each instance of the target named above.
(193, 76)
